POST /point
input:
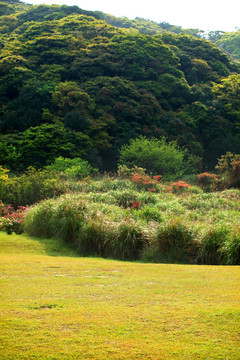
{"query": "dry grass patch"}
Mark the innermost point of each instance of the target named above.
(66, 307)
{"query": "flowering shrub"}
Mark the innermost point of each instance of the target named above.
(146, 182)
(10, 219)
(179, 186)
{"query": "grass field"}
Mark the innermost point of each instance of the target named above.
(55, 305)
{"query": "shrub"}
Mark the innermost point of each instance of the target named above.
(229, 167)
(3, 175)
(126, 173)
(208, 181)
(224, 165)
(154, 155)
(31, 187)
(11, 220)
(73, 168)
(146, 182)
(179, 186)
(234, 175)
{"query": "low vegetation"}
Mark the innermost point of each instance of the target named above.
(174, 223)
(57, 306)
(134, 215)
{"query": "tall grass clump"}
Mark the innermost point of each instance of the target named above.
(62, 218)
(38, 219)
(211, 246)
(125, 198)
(87, 228)
(128, 241)
(93, 238)
(68, 219)
(231, 248)
(149, 213)
(174, 242)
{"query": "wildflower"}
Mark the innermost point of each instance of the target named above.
(136, 204)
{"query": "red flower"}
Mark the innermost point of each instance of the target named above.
(180, 185)
(136, 204)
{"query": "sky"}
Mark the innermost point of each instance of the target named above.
(204, 14)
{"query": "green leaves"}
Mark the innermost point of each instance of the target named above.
(40, 145)
(74, 168)
(155, 156)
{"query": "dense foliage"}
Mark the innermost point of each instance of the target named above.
(230, 42)
(30, 187)
(74, 86)
(155, 156)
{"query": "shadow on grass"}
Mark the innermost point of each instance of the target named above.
(35, 245)
(25, 244)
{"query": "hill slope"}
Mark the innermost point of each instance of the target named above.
(65, 71)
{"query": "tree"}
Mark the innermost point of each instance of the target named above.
(75, 120)
(227, 94)
(27, 108)
(68, 96)
(9, 156)
(40, 145)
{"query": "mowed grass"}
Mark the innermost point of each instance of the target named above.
(55, 305)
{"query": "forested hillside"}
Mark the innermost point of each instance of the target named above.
(73, 85)
(230, 42)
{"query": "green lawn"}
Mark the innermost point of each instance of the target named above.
(55, 305)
